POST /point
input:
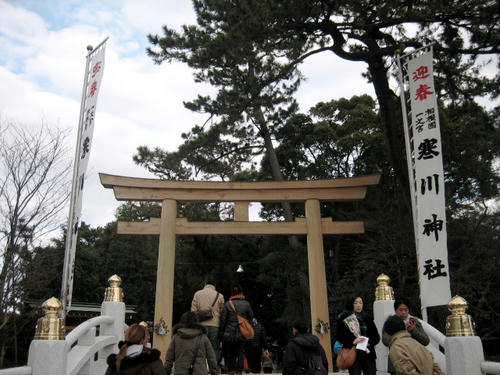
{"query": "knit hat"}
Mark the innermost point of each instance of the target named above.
(394, 324)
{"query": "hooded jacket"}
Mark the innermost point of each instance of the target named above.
(146, 363)
(182, 347)
(409, 357)
(297, 350)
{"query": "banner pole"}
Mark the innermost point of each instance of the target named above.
(66, 284)
(407, 144)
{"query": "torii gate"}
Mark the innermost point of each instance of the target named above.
(241, 193)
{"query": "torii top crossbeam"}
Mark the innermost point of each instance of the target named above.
(145, 189)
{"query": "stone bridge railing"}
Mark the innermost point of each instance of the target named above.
(85, 349)
(458, 352)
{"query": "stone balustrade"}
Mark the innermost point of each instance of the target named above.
(84, 350)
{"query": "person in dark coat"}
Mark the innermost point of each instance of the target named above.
(233, 342)
(300, 348)
(186, 336)
(134, 358)
(255, 346)
(365, 360)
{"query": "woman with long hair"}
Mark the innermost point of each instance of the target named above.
(353, 327)
(134, 358)
(189, 344)
(233, 342)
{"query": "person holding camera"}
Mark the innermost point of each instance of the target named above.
(407, 355)
(413, 326)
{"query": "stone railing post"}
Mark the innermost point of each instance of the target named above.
(113, 306)
(383, 307)
(48, 352)
(464, 350)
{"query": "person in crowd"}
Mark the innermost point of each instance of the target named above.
(209, 299)
(407, 355)
(190, 341)
(267, 362)
(413, 326)
(255, 346)
(300, 348)
(233, 342)
(134, 357)
(277, 347)
(354, 327)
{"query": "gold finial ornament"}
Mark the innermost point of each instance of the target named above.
(459, 323)
(114, 293)
(50, 326)
(383, 292)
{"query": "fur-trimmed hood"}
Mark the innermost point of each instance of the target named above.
(184, 331)
(147, 356)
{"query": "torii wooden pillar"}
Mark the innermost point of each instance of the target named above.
(241, 193)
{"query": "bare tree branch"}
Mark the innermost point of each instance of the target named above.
(34, 188)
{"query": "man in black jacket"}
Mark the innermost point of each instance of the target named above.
(300, 349)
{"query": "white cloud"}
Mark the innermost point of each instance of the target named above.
(327, 78)
(18, 23)
(24, 101)
(148, 16)
(42, 60)
(18, 28)
(139, 103)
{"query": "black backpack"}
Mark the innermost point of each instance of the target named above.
(314, 363)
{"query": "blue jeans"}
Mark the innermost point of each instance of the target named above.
(213, 333)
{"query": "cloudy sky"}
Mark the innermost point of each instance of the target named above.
(42, 60)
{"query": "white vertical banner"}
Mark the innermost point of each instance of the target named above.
(428, 180)
(92, 81)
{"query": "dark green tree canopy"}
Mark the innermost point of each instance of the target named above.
(282, 34)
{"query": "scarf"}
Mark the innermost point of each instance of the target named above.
(240, 295)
